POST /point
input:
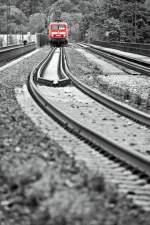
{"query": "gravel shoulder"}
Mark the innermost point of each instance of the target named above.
(111, 79)
(99, 118)
(40, 184)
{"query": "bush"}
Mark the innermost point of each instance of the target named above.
(42, 39)
(1, 42)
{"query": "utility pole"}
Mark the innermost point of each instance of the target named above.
(135, 14)
(8, 17)
(33, 6)
(122, 7)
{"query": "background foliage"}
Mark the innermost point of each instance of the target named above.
(122, 20)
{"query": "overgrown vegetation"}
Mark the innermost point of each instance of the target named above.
(120, 20)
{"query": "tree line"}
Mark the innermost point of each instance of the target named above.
(115, 20)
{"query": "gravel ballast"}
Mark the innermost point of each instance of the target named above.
(110, 78)
(99, 118)
(40, 184)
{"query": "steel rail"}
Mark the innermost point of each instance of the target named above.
(11, 52)
(41, 69)
(132, 63)
(122, 108)
(10, 46)
(63, 79)
(102, 143)
(135, 48)
(61, 71)
(128, 57)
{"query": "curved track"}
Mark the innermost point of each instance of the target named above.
(133, 161)
(118, 106)
(124, 60)
(12, 52)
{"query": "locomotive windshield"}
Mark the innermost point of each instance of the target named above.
(57, 26)
(58, 33)
(61, 26)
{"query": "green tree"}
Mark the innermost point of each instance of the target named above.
(11, 22)
(134, 21)
(125, 20)
(37, 23)
(147, 4)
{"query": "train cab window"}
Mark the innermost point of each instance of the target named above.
(54, 27)
(61, 26)
(58, 27)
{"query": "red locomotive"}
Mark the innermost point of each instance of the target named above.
(58, 33)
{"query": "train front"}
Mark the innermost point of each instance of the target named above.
(58, 33)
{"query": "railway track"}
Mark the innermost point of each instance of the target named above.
(12, 52)
(110, 102)
(10, 46)
(136, 64)
(128, 168)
